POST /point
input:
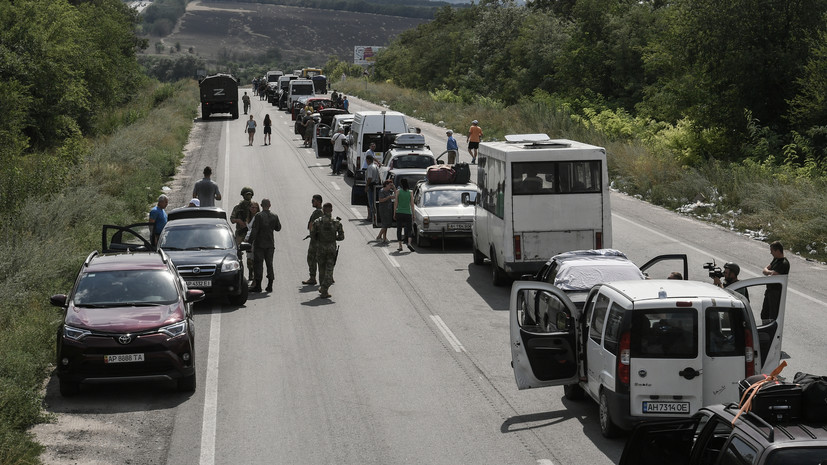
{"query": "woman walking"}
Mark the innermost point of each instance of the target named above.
(250, 129)
(268, 129)
(403, 208)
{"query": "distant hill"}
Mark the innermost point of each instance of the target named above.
(298, 34)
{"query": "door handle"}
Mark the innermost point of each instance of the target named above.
(689, 373)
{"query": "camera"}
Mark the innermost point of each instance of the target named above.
(714, 271)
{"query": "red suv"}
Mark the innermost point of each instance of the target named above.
(128, 318)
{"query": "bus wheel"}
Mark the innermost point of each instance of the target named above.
(498, 277)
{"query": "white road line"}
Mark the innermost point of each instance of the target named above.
(208, 424)
(226, 173)
(335, 185)
(717, 259)
(443, 328)
(357, 213)
(390, 258)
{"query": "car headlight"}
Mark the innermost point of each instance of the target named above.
(230, 265)
(426, 222)
(76, 334)
(176, 329)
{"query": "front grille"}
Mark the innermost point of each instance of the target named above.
(196, 271)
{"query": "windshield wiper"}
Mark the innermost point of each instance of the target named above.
(166, 247)
(141, 304)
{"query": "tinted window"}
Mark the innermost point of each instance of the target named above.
(197, 238)
(613, 329)
(110, 288)
(724, 332)
(797, 456)
(739, 452)
(598, 317)
(665, 333)
(556, 177)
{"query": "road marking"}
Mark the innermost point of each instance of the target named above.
(335, 185)
(443, 328)
(544, 462)
(208, 424)
(226, 160)
(357, 213)
(717, 259)
(390, 258)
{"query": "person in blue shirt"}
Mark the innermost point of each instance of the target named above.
(452, 147)
(345, 103)
(158, 218)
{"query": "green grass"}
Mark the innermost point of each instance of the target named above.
(647, 159)
(114, 179)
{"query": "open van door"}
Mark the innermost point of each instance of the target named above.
(768, 296)
(542, 355)
(677, 261)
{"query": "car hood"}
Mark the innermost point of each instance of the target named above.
(124, 319)
(200, 257)
(448, 213)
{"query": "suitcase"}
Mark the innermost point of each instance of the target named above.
(441, 174)
(813, 396)
(775, 401)
(463, 173)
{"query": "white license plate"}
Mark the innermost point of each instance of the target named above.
(665, 407)
(123, 358)
(459, 225)
(199, 283)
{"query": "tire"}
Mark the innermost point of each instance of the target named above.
(574, 392)
(68, 388)
(241, 298)
(187, 383)
(498, 277)
(417, 236)
(204, 113)
(607, 426)
(235, 114)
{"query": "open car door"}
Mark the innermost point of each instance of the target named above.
(542, 355)
(767, 297)
(132, 238)
(662, 265)
(661, 443)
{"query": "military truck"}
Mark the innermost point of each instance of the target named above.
(219, 94)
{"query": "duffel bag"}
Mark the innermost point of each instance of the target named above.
(463, 173)
(813, 396)
(441, 174)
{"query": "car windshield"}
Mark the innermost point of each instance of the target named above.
(446, 198)
(413, 161)
(126, 287)
(197, 238)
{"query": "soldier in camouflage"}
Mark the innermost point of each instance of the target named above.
(241, 215)
(311, 249)
(326, 231)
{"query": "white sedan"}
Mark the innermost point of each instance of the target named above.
(439, 211)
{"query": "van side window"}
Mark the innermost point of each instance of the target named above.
(725, 332)
(598, 318)
(493, 188)
(613, 329)
(556, 177)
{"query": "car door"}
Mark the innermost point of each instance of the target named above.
(542, 356)
(662, 265)
(661, 442)
(761, 292)
(126, 238)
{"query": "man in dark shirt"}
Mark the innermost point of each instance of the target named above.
(264, 244)
(772, 298)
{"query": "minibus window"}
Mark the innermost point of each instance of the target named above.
(724, 332)
(665, 333)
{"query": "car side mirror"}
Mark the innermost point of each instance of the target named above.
(58, 300)
(245, 247)
(466, 199)
(194, 295)
(525, 277)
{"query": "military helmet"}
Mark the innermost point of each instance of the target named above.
(245, 190)
(732, 267)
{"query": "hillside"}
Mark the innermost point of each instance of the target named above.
(301, 35)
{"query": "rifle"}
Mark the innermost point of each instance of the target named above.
(336, 256)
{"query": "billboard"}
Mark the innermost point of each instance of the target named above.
(365, 54)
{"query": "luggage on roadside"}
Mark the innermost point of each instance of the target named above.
(463, 173)
(775, 401)
(441, 174)
(813, 396)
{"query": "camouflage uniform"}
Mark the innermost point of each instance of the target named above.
(312, 248)
(264, 246)
(326, 231)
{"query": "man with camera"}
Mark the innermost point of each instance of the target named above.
(729, 273)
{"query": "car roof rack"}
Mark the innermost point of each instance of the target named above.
(89, 258)
(770, 435)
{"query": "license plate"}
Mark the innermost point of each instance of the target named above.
(199, 283)
(123, 358)
(665, 407)
(459, 225)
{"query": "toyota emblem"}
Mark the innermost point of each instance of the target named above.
(125, 339)
(196, 270)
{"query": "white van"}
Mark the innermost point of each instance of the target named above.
(280, 98)
(645, 349)
(539, 197)
(299, 88)
(379, 127)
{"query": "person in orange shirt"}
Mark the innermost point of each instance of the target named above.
(474, 138)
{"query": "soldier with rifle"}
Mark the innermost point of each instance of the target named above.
(326, 231)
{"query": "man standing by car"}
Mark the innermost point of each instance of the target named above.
(206, 190)
(264, 245)
(313, 247)
(772, 298)
(338, 141)
(241, 215)
(371, 180)
(158, 218)
(326, 231)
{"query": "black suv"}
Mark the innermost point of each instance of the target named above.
(710, 437)
(128, 317)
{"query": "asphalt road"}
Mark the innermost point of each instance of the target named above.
(408, 362)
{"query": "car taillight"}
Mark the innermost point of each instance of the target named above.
(518, 252)
(358, 162)
(624, 359)
(749, 354)
(598, 240)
